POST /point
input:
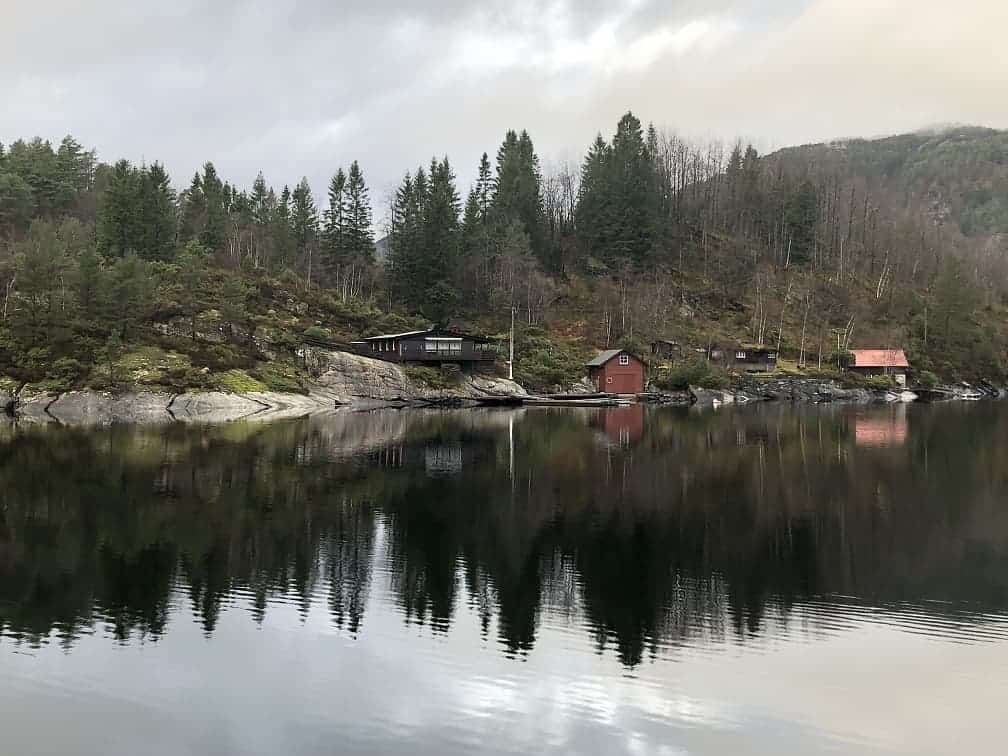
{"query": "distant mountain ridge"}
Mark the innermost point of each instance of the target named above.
(957, 175)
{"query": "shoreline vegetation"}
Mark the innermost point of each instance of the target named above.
(114, 284)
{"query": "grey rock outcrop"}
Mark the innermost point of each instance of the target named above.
(103, 408)
(813, 390)
(583, 386)
(356, 380)
(714, 397)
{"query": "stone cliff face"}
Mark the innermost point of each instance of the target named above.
(356, 379)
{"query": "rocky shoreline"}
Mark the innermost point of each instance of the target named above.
(824, 391)
(341, 379)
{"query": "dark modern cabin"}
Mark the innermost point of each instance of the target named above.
(432, 346)
(743, 358)
(666, 350)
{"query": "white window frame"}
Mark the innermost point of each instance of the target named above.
(740, 355)
(442, 345)
(624, 360)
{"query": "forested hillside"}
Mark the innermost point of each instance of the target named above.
(111, 276)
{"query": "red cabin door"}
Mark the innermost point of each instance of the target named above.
(623, 383)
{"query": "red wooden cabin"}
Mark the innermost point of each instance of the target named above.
(616, 371)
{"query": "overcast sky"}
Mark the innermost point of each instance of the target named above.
(298, 88)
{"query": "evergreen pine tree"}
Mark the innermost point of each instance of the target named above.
(90, 288)
(403, 241)
(632, 175)
(618, 207)
(214, 230)
(484, 188)
(157, 215)
(304, 217)
(17, 203)
(282, 235)
(517, 189)
(440, 242)
(359, 240)
(335, 219)
(594, 207)
(119, 213)
(193, 210)
(258, 201)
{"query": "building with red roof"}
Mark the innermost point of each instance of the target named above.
(874, 362)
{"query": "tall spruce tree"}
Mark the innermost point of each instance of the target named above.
(359, 239)
(193, 214)
(158, 221)
(335, 219)
(259, 201)
(281, 231)
(404, 234)
(517, 189)
(593, 215)
(484, 188)
(17, 203)
(214, 230)
(441, 244)
(75, 165)
(617, 207)
(304, 224)
(119, 212)
(632, 176)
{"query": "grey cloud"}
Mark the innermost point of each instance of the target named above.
(297, 88)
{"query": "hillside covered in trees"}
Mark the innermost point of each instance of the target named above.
(112, 276)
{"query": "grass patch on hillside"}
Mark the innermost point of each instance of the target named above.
(237, 382)
(151, 365)
(281, 376)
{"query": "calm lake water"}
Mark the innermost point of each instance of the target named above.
(762, 580)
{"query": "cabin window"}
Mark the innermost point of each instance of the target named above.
(739, 355)
(624, 359)
(772, 356)
(443, 346)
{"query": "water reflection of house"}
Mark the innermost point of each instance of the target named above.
(441, 460)
(622, 425)
(882, 430)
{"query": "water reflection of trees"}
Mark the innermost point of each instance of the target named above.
(706, 526)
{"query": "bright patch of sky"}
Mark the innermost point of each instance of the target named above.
(298, 89)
